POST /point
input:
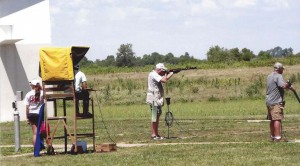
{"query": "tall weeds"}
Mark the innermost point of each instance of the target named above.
(187, 86)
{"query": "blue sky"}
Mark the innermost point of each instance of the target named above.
(175, 26)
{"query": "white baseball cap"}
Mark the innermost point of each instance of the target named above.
(161, 66)
(34, 82)
(278, 65)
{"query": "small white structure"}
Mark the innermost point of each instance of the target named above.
(24, 28)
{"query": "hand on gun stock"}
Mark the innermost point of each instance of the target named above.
(290, 85)
(175, 71)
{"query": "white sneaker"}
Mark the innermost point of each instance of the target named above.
(157, 137)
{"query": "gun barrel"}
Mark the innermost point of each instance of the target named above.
(179, 69)
(189, 68)
(296, 95)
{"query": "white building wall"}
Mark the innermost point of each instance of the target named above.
(29, 21)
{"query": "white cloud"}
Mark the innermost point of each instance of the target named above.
(275, 4)
(82, 17)
(175, 26)
(209, 4)
(244, 3)
(79, 3)
(55, 9)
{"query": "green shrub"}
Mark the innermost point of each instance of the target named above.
(213, 98)
(253, 90)
(195, 89)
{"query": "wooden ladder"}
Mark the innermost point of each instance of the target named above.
(53, 91)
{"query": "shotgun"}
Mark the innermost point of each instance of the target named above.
(177, 70)
(294, 91)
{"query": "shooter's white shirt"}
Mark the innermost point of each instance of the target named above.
(79, 79)
(154, 83)
(34, 107)
(155, 90)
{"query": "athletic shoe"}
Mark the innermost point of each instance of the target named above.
(157, 137)
(160, 137)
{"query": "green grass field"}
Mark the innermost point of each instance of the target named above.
(215, 113)
(217, 133)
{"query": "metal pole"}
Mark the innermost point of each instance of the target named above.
(19, 97)
(168, 124)
(17, 128)
(168, 99)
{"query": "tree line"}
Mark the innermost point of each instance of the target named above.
(125, 56)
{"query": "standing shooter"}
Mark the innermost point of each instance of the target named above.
(275, 101)
(155, 95)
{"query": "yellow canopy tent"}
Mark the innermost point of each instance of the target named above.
(56, 63)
